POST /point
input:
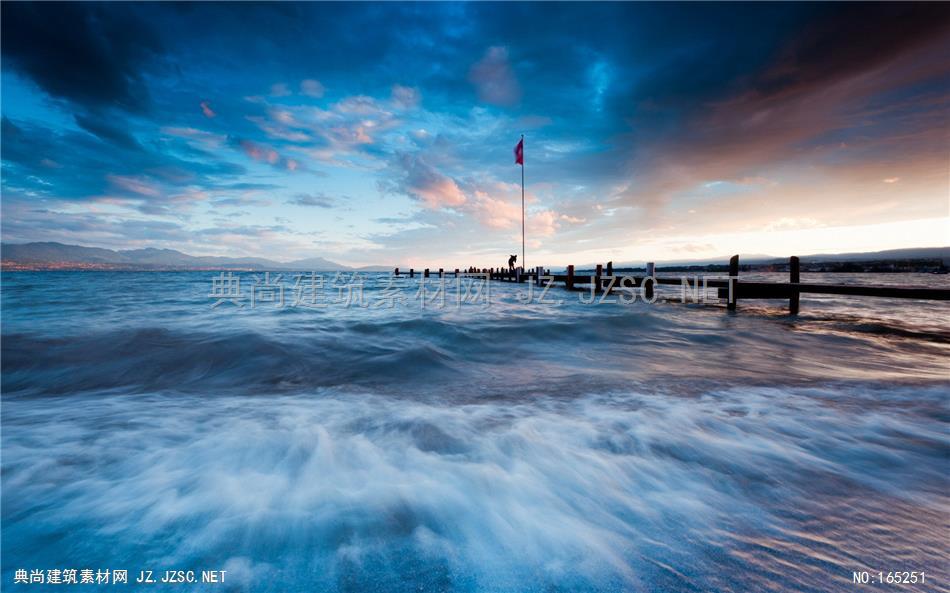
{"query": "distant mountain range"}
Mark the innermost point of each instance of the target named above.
(914, 253)
(59, 256)
(941, 253)
(49, 255)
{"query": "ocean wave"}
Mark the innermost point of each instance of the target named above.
(619, 491)
(507, 448)
(537, 352)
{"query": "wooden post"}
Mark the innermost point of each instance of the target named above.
(733, 282)
(794, 277)
(518, 275)
(440, 272)
(648, 288)
(456, 272)
(397, 271)
(411, 272)
(597, 275)
(569, 283)
(427, 273)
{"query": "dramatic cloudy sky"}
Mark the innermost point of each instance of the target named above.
(383, 133)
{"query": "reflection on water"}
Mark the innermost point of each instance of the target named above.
(513, 448)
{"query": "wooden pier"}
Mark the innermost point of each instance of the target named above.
(728, 286)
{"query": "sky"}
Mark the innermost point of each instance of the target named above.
(383, 134)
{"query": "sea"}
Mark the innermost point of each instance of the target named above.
(305, 432)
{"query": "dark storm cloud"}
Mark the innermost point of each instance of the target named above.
(90, 54)
(851, 38)
(38, 159)
(107, 132)
(734, 102)
(77, 165)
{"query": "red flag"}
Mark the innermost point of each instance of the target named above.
(519, 153)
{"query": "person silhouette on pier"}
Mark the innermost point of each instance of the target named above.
(511, 262)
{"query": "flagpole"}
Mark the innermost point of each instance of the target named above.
(524, 265)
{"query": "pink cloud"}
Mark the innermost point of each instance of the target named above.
(496, 213)
(336, 132)
(425, 183)
(497, 205)
(259, 152)
(544, 223)
(190, 195)
(572, 219)
(440, 193)
(206, 109)
(135, 185)
(196, 135)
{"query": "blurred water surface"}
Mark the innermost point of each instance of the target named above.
(507, 447)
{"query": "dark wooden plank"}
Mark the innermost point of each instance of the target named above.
(894, 292)
(648, 283)
(794, 276)
(783, 291)
(734, 274)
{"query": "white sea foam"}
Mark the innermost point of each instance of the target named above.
(609, 492)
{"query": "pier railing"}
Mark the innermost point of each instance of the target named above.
(729, 287)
